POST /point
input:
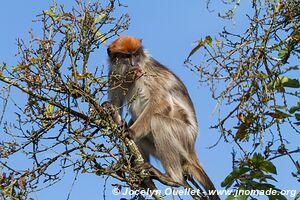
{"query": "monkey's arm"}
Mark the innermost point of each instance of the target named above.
(118, 88)
(114, 113)
(116, 100)
(142, 124)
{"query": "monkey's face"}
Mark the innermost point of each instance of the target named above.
(126, 61)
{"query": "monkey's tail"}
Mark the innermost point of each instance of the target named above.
(195, 169)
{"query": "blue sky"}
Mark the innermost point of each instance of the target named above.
(168, 30)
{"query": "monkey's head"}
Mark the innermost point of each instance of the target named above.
(126, 52)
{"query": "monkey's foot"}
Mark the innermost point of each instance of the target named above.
(129, 133)
(144, 166)
(157, 175)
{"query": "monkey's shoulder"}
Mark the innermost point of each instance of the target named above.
(165, 78)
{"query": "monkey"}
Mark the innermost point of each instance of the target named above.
(163, 119)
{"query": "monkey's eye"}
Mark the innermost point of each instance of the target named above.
(123, 55)
(137, 52)
(127, 55)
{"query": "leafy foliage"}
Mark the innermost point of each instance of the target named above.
(252, 77)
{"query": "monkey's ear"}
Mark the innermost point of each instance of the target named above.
(141, 40)
(108, 52)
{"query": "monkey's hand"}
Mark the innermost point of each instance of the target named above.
(134, 73)
(129, 133)
(107, 105)
(112, 111)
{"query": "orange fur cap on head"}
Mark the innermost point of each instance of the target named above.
(125, 44)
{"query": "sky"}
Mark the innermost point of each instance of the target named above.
(169, 30)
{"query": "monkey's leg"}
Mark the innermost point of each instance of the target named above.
(146, 147)
(171, 138)
(142, 125)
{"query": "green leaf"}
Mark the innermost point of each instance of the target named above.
(20, 67)
(278, 107)
(34, 60)
(67, 26)
(51, 13)
(277, 197)
(67, 15)
(297, 196)
(99, 18)
(282, 114)
(237, 197)
(284, 81)
(201, 43)
(196, 48)
(293, 109)
(240, 193)
(268, 189)
(236, 173)
(208, 40)
(282, 53)
(7, 190)
(257, 159)
(4, 67)
(79, 76)
(49, 109)
(292, 68)
(269, 167)
(262, 186)
(260, 162)
(101, 37)
(292, 83)
(257, 174)
(270, 177)
(297, 115)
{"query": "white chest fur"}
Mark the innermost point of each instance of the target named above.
(138, 98)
